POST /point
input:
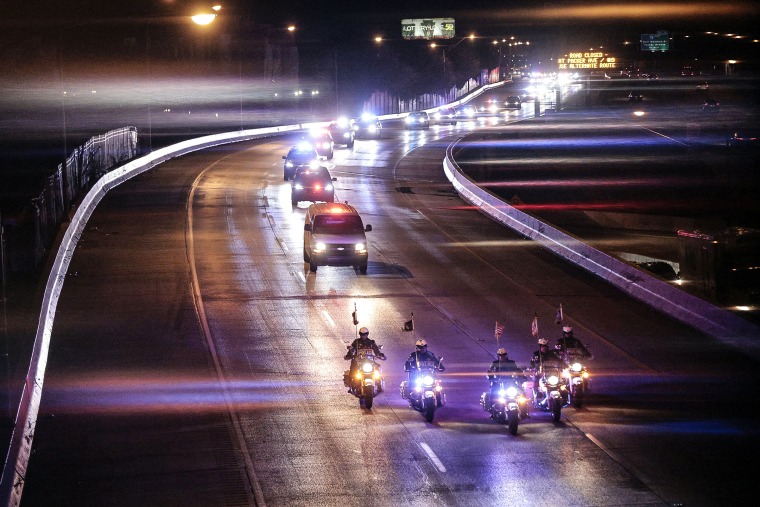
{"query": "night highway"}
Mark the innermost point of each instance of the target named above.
(195, 360)
(167, 341)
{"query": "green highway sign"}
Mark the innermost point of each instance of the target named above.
(655, 41)
(430, 28)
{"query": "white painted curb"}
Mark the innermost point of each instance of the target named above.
(657, 293)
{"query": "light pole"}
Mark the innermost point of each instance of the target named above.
(446, 49)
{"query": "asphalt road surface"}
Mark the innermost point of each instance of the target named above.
(195, 360)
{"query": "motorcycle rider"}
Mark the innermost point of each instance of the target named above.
(542, 358)
(502, 364)
(421, 358)
(363, 342)
(570, 346)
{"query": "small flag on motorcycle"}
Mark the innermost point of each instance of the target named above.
(409, 324)
(498, 330)
(354, 317)
(534, 327)
(560, 316)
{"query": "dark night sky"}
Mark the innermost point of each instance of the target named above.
(352, 17)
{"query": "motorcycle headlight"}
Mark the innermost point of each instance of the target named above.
(428, 381)
(553, 380)
(372, 128)
(511, 392)
(320, 247)
(502, 393)
(367, 367)
(576, 367)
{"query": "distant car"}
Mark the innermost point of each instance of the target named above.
(342, 131)
(710, 105)
(467, 112)
(368, 127)
(323, 142)
(652, 77)
(303, 154)
(703, 86)
(417, 120)
(746, 138)
(513, 102)
(445, 115)
(492, 106)
(635, 96)
(312, 184)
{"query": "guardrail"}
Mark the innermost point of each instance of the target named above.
(660, 295)
(19, 451)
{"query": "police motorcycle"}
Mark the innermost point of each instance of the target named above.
(551, 392)
(576, 376)
(367, 380)
(506, 401)
(423, 390)
(576, 373)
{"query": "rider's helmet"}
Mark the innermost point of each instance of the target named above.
(364, 332)
(501, 352)
(421, 345)
(567, 330)
(542, 343)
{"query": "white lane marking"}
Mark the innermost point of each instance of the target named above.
(327, 317)
(301, 276)
(433, 457)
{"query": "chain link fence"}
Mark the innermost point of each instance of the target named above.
(29, 236)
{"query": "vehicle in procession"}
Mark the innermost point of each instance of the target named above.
(423, 389)
(334, 235)
(343, 132)
(368, 126)
(312, 184)
(364, 379)
(302, 155)
(505, 401)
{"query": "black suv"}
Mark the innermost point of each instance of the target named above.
(323, 142)
(312, 185)
(342, 132)
(303, 154)
(417, 120)
(368, 127)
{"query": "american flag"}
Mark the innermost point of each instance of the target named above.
(498, 330)
(534, 327)
(560, 315)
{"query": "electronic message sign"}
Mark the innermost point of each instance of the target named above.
(432, 28)
(587, 61)
(655, 41)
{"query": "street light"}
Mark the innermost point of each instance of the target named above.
(204, 18)
(446, 49)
